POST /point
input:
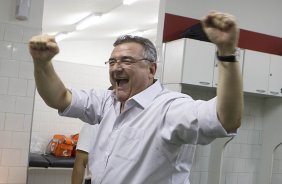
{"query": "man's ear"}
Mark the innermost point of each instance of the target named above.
(153, 69)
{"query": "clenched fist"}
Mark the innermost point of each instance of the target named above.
(43, 48)
(221, 29)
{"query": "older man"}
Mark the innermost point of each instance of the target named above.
(147, 134)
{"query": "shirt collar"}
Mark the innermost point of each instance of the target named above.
(146, 97)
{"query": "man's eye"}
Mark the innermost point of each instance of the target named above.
(126, 60)
(111, 62)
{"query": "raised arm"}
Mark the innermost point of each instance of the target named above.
(42, 49)
(222, 30)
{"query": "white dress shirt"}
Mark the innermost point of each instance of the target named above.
(87, 136)
(152, 141)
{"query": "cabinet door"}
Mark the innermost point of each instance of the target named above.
(275, 75)
(256, 72)
(215, 73)
(173, 61)
(198, 63)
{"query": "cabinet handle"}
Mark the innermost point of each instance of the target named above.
(204, 83)
(260, 91)
(274, 92)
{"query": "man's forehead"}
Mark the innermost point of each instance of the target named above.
(131, 48)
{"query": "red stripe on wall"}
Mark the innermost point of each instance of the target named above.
(174, 25)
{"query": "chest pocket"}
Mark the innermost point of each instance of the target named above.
(129, 145)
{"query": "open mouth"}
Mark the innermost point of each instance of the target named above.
(121, 82)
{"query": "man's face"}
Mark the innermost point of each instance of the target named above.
(128, 79)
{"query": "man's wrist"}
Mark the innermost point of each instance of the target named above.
(232, 57)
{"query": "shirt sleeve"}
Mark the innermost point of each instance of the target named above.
(192, 122)
(209, 124)
(87, 105)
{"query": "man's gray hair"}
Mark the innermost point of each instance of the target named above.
(150, 52)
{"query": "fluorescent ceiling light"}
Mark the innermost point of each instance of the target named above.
(63, 35)
(128, 2)
(88, 21)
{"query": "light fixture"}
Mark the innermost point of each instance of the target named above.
(62, 35)
(22, 9)
(88, 21)
(128, 2)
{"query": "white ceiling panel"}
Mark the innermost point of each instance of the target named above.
(62, 15)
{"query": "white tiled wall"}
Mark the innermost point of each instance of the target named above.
(277, 166)
(16, 101)
(200, 168)
(241, 156)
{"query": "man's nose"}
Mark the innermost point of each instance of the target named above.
(117, 66)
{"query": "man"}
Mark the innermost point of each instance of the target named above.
(147, 134)
(83, 153)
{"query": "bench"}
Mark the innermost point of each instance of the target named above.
(37, 160)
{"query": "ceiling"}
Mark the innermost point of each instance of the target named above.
(117, 19)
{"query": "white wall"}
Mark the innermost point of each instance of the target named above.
(271, 167)
(92, 52)
(16, 89)
(242, 155)
(276, 177)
